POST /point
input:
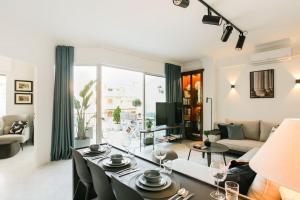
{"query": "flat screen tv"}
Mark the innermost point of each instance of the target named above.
(168, 113)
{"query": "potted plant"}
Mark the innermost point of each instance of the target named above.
(117, 118)
(137, 103)
(148, 125)
(207, 142)
(81, 106)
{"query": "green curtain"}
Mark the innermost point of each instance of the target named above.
(173, 87)
(62, 123)
(173, 83)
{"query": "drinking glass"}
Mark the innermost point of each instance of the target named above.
(126, 142)
(232, 190)
(168, 166)
(160, 155)
(218, 171)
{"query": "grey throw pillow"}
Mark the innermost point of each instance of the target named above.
(235, 132)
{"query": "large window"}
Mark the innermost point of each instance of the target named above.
(109, 101)
(2, 95)
(154, 92)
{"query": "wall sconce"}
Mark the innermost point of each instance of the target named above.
(232, 86)
(297, 81)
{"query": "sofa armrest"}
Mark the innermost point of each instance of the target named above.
(26, 133)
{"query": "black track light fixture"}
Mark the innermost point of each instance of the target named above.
(181, 3)
(226, 32)
(240, 42)
(211, 19)
(215, 18)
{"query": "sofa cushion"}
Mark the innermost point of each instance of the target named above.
(13, 138)
(251, 128)
(17, 127)
(235, 132)
(263, 189)
(265, 130)
(223, 129)
(241, 145)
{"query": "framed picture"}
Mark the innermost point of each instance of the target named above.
(23, 98)
(23, 86)
(262, 84)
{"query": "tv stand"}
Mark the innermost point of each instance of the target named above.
(161, 128)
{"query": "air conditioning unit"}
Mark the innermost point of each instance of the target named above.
(272, 56)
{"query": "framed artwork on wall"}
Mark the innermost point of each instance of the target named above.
(23, 98)
(262, 84)
(23, 86)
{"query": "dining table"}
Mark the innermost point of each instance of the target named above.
(199, 188)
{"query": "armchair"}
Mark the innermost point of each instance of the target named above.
(5, 126)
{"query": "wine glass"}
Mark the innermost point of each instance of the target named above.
(160, 155)
(126, 142)
(218, 172)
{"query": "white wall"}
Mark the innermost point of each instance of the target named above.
(16, 70)
(101, 56)
(20, 44)
(236, 103)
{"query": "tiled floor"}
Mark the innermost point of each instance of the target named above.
(21, 179)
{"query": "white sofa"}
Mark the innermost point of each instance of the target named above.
(256, 133)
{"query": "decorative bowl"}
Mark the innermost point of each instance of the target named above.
(94, 147)
(116, 158)
(152, 176)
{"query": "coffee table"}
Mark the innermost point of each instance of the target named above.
(214, 148)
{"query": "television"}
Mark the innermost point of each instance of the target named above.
(169, 114)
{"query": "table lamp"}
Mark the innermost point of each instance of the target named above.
(279, 158)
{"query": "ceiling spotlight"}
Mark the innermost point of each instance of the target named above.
(212, 20)
(181, 3)
(240, 42)
(226, 32)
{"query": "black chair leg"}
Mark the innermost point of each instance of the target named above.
(75, 193)
(21, 145)
(87, 194)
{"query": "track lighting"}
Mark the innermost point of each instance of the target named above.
(240, 42)
(217, 19)
(181, 3)
(212, 20)
(226, 32)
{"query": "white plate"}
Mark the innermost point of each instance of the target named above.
(108, 163)
(143, 181)
(154, 189)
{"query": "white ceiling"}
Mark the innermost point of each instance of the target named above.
(155, 27)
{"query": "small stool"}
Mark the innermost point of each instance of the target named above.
(9, 149)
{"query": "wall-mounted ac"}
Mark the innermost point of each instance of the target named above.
(272, 56)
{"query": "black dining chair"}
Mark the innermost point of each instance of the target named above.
(83, 174)
(101, 183)
(124, 192)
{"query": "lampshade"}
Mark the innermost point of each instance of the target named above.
(279, 158)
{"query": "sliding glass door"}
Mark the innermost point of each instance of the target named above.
(85, 105)
(121, 100)
(110, 102)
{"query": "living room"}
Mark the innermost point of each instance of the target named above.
(141, 38)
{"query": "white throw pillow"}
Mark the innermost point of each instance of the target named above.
(287, 194)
